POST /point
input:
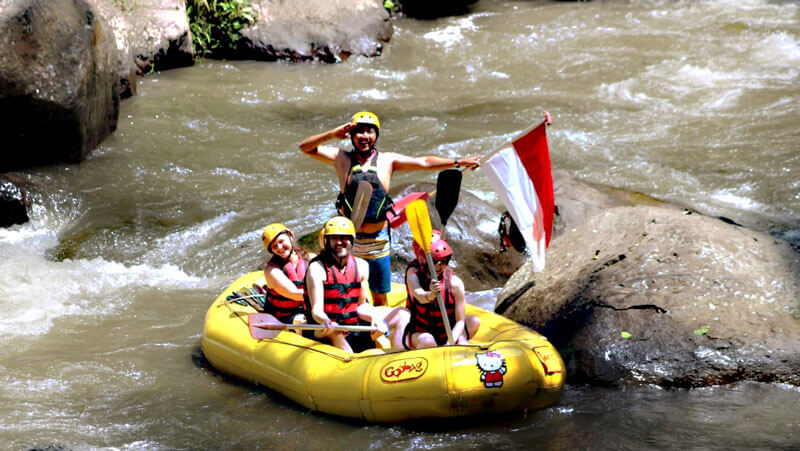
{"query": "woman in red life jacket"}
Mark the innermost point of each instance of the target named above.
(426, 327)
(285, 273)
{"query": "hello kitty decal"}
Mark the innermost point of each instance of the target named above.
(493, 367)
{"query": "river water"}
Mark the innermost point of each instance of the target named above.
(105, 290)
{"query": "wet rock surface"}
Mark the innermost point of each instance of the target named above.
(663, 296)
(58, 84)
(578, 200)
(13, 202)
(323, 30)
(151, 35)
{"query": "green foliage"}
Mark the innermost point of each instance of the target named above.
(703, 330)
(216, 24)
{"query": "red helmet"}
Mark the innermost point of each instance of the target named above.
(435, 236)
(440, 250)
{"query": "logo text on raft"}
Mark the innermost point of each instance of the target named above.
(492, 366)
(404, 369)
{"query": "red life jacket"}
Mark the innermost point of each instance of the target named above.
(427, 317)
(341, 291)
(278, 305)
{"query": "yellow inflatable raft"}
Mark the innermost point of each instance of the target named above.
(506, 367)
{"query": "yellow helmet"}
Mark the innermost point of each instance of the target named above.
(365, 117)
(338, 225)
(271, 232)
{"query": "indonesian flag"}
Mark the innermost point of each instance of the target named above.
(520, 174)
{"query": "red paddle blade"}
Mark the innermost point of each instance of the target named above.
(396, 220)
(263, 326)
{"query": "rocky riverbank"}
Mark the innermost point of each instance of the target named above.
(662, 296)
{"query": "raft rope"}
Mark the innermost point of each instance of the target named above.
(254, 296)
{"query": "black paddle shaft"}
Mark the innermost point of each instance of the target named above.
(448, 187)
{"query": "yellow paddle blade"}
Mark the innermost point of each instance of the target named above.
(420, 223)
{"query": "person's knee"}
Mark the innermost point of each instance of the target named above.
(299, 319)
(403, 316)
(425, 341)
(399, 317)
(473, 323)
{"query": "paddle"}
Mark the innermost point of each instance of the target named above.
(448, 187)
(363, 195)
(264, 325)
(420, 223)
(250, 300)
(448, 180)
(398, 216)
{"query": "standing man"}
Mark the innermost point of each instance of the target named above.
(364, 162)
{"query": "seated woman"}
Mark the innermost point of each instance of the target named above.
(426, 327)
(285, 273)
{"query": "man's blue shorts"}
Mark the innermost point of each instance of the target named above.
(380, 274)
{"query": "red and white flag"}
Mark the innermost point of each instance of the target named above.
(520, 174)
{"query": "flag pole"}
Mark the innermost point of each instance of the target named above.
(489, 155)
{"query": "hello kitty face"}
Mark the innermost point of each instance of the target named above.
(489, 361)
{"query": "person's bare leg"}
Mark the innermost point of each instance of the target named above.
(379, 299)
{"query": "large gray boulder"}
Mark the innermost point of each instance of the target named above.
(578, 200)
(151, 35)
(324, 30)
(58, 83)
(662, 296)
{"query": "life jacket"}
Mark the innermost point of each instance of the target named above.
(278, 305)
(427, 317)
(341, 290)
(379, 203)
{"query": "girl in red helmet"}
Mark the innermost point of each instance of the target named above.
(426, 327)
